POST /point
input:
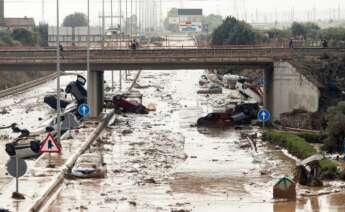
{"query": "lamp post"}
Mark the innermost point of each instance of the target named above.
(88, 52)
(58, 72)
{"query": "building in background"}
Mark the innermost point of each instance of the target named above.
(14, 23)
(190, 20)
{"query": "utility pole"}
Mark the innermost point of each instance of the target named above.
(103, 24)
(131, 17)
(88, 50)
(120, 6)
(58, 72)
(43, 11)
(126, 19)
(111, 13)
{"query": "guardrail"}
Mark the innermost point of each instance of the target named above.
(23, 87)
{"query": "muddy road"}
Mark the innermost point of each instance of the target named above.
(159, 162)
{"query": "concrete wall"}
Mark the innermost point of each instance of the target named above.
(291, 90)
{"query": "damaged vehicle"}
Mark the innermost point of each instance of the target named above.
(251, 91)
(75, 88)
(126, 106)
(23, 148)
(241, 114)
(211, 89)
(89, 166)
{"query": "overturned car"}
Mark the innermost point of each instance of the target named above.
(240, 114)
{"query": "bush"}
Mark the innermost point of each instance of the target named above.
(311, 137)
(5, 38)
(295, 145)
(26, 37)
(298, 147)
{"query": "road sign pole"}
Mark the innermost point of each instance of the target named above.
(17, 175)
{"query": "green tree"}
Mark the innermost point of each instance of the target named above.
(42, 31)
(6, 38)
(335, 130)
(167, 25)
(298, 29)
(75, 20)
(213, 21)
(313, 31)
(25, 37)
(233, 32)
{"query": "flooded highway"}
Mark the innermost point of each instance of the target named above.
(162, 162)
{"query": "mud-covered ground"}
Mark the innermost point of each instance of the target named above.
(159, 162)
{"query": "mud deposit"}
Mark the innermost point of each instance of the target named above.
(158, 162)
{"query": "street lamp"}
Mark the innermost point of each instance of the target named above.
(58, 93)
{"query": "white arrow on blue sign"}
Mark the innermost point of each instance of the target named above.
(264, 115)
(84, 109)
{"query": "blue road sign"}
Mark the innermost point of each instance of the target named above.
(84, 109)
(264, 115)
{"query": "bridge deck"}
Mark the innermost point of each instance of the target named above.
(116, 59)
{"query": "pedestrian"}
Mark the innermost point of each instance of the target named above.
(61, 51)
(291, 44)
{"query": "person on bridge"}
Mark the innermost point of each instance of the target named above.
(61, 51)
(291, 43)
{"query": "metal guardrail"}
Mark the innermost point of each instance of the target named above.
(23, 87)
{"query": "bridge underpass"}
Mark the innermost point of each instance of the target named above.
(158, 59)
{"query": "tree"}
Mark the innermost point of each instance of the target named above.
(312, 30)
(167, 25)
(233, 32)
(42, 31)
(298, 29)
(25, 37)
(335, 130)
(75, 20)
(6, 38)
(213, 21)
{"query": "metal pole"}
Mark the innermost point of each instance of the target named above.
(120, 24)
(58, 93)
(103, 24)
(131, 19)
(88, 51)
(126, 21)
(17, 173)
(120, 78)
(111, 13)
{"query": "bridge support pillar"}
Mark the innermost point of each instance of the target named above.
(95, 89)
(268, 89)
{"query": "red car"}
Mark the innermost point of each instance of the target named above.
(126, 106)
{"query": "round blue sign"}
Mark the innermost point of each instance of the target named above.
(264, 115)
(84, 109)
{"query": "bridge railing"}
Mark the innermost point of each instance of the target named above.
(108, 54)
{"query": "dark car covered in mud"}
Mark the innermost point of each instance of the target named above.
(241, 114)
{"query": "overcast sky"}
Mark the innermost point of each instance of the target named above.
(250, 9)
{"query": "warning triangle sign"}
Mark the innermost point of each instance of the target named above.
(50, 145)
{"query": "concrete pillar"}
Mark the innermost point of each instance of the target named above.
(95, 89)
(268, 89)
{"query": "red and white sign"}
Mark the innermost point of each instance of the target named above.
(50, 145)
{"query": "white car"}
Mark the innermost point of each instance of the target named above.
(89, 166)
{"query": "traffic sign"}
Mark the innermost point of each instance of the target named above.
(84, 109)
(264, 115)
(12, 167)
(50, 145)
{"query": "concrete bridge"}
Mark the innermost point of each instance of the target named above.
(271, 60)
